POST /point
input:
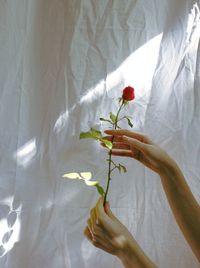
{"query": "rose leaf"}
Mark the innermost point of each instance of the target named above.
(129, 121)
(107, 143)
(122, 168)
(113, 118)
(100, 189)
(71, 176)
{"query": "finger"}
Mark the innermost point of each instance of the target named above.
(102, 243)
(121, 145)
(88, 234)
(100, 212)
(89, 226)
(93, 218)
(122, 153)
(133, 143)
(110, 138)
(133, 152)
(108, 211)
(132, 134)
(118, 145)
(122, 132)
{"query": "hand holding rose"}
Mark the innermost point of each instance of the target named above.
(140, 147)
(106, 232)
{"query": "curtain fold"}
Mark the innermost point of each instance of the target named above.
(63, 64)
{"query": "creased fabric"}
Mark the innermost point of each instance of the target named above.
(63, 64)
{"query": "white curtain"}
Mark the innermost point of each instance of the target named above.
(63, 64)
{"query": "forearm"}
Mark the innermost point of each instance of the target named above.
(134, 257)
(183, 204)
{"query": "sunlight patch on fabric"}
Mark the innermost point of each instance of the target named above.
(10, 226)
(193, 24)
(26, 153)
(138, 69)
(141, 62)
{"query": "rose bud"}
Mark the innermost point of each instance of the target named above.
(128, 94)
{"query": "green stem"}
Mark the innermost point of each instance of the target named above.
(110, 156)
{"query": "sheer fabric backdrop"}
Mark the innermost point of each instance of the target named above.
(62, 65)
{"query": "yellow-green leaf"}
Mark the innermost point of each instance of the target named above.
(91, 183)
(122, 168)
(86, 175)
(71, 176)
(105, 120)
(86, 135)
(107, 143)
(96, 133)
(92, 134)
(100, 189)
(113, 117)
(129, 121)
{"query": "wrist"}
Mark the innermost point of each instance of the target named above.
(132, 256)
(169, 167)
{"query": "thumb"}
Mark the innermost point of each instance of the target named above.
(108, 211)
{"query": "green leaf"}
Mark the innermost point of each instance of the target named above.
(86, 135)
(122, 168)
(71, 176)
(107, 143)
(92, 134)
(91, 183)
(86, 175)
(129, 121)
(105, 120)
(113, 118)
(100, 189)
(97, 185)
(96, 133)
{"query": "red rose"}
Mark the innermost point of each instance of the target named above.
(128, 94)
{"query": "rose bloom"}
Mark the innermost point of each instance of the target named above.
(128, 94)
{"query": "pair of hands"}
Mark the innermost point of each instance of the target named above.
(103, 229)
